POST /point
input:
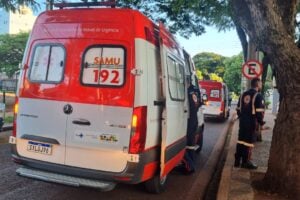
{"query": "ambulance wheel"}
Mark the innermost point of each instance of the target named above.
(156, 184)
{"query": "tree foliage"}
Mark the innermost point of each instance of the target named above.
(199, 74)
(209, 63)
(232, 75)
(13, 5)
(11, 52)
(183, 16)
(215, 77)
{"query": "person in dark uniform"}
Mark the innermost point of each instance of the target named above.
(250, 111)
(194, 104)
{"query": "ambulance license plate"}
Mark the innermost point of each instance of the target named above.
(38, 147)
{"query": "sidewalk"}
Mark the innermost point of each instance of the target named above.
(235, 183)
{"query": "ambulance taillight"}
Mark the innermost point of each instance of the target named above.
(222, 107)
(16, 110)
(138, 130)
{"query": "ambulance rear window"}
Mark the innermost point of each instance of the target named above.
(215, 93)
(47, 63)
(103, 66)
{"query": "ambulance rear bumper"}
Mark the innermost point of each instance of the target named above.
(132, 174)
(65, 179)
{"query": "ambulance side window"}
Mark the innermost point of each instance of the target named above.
(103, 66)
(176, 80)
(47, 63)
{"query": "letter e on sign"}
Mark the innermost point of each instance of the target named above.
(252, 69)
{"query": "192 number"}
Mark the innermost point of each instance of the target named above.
(104, 75)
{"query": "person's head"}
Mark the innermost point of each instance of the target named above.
(256, 84)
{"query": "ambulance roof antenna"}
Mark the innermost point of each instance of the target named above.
(108, 3)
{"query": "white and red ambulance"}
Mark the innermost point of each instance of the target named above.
(101, 99)
(218, 100)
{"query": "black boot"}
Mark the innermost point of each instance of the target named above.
(249, 165)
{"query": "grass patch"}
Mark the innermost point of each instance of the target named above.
(9, 119)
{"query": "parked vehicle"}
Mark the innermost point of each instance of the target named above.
(218, 100)
(101, 99)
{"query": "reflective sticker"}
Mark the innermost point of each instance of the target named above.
(108, 138)
(133, 158)
(92, 137)
(12, 140)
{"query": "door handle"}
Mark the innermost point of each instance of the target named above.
(82, 122)
(159, 103)
(185, 111)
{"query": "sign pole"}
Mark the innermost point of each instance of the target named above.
(251, 56)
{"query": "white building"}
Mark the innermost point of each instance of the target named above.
(20, 21)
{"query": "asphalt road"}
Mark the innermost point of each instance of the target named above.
(15, 187)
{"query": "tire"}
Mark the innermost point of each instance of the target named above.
(156, 185)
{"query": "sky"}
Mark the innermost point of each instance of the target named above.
(223, 43)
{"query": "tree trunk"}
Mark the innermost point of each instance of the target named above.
(243, 39)
(263, 22)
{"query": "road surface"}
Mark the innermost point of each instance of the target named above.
(16, 187)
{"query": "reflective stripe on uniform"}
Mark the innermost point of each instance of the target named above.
(190, 147)
(253, 103)
(260, 110)
(245, 143)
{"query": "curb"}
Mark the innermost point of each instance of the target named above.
(203, 179)
(228, 170)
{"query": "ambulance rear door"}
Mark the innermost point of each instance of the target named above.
(101, 93)
(175, 112)
(41, 121)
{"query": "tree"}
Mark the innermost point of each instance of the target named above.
(11, 52)
(209, 63)
(215, 77)
(199, 74)
(271, 24)
(13, 5)
(232, 75)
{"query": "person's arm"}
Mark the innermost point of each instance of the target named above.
(259, 109)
